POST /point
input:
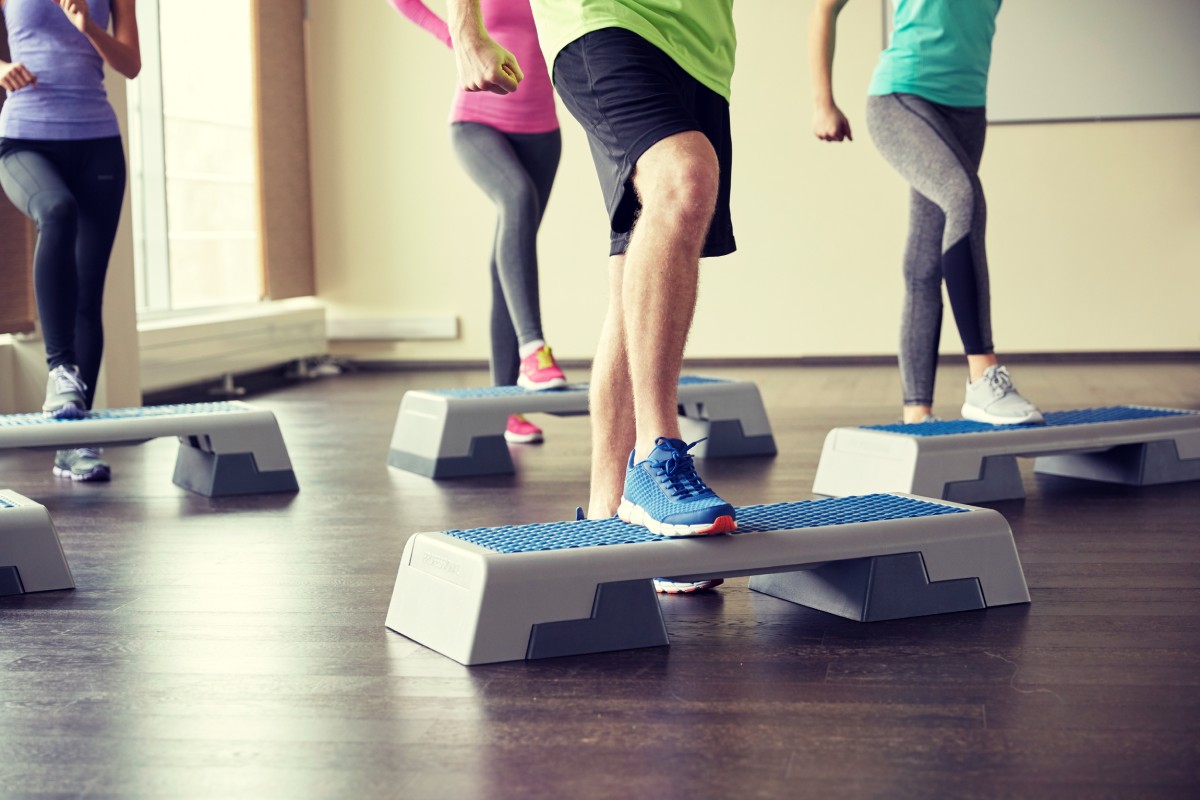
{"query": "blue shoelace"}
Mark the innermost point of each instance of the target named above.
(679, 474)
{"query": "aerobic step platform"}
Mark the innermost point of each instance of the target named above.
(973, 462)
(457, 433)
(228, 448)
(31, 559)
(540, 591)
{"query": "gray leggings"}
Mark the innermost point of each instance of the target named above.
(516, 171)
(937, 149)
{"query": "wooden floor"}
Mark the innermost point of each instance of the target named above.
(236, 647)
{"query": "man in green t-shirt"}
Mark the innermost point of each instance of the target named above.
(649, 82)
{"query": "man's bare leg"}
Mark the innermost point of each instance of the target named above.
(652, 297)
(610, 398)
(676, 181)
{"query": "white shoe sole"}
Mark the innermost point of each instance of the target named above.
(531, 386)
(524, 438)
(69, 411)
(979, 415)
(665, 586)
(636, 515)
(98, 474)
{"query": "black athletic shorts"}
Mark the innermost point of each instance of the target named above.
(629, 95)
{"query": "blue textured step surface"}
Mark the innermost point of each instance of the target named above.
(750, 519)
(145, 412)
(6, 504)
(1083, 416)
(476, 392)
(517, 391)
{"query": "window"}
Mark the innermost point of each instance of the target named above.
(193, 157)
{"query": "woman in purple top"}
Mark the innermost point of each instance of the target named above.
(63, 166)
(510, 146)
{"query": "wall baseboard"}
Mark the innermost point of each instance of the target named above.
(1107, 357)
(1141, 357)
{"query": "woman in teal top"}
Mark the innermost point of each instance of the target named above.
(927, 116)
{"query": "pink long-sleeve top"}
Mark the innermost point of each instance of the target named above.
(530, 109)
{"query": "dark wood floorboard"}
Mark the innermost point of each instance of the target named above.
(236, 648)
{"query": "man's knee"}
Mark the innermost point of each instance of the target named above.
(680, 175)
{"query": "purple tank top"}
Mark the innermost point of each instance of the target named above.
(68, 101)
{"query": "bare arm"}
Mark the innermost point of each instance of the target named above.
(483, 65)
(120, 49)
(14, 76)
(829, 123)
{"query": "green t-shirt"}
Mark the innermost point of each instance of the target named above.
(697, 34)
(939, 50)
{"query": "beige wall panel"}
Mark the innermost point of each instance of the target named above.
(283, 146)
(120, 384)
(1094, 227)
(7, 370)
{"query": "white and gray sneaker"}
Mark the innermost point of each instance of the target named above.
(81, 464)
(993, 399)
(66, 393)
(668, 586)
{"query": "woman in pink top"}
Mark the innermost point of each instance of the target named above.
(510, 146)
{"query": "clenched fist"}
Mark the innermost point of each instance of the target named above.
(77, 12)
(16, 76)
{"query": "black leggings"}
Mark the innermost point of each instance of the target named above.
(73, 190)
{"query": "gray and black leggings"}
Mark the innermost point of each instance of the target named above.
(937, 149)
(516, 170)
(73, 190)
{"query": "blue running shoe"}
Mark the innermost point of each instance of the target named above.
(665, 494)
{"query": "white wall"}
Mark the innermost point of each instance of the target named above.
(1094, 227)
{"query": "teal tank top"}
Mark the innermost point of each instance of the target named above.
(939, 50)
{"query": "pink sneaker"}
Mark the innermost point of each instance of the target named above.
(521, 431)
(539, 371)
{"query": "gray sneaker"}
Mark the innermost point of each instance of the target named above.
(81, 464)
(66, 394)
(668, 586)
(993, 399)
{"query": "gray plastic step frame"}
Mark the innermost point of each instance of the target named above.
(31, 557)
(439, 435)
(228, 448)
(478, 606)
(982, 467)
